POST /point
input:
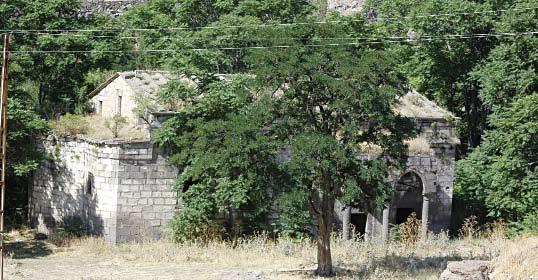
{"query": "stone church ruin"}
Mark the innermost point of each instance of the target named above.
(122, 189)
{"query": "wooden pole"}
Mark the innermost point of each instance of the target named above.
(3, 123)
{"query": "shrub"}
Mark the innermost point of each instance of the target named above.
(529, 224)
(189, 225)
(115, 124)
(70, 125)
(496, 229)
(295, 218)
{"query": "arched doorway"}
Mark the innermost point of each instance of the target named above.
(408, 197)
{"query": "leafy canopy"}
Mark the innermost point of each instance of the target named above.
(503, 172)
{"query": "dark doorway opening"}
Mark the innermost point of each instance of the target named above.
(402, 214)
(358, 222)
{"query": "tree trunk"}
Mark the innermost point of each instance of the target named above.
(346, 216)
(325, 222)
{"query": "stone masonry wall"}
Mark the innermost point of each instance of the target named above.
(121, 191)
(146, 202)
(65, 193)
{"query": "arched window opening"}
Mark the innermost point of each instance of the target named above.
(408, 197)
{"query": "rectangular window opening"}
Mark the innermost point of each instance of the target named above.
(118, 109)
(89, 184)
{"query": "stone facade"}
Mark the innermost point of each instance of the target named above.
(122, 190)
(423, 187)
(118, 96)
(119, 190)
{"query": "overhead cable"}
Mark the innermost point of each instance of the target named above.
(218, 27)
(402, 40)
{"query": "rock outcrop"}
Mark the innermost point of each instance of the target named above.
(345, 7)
(118, 7)
(467, 270)
(108, 7)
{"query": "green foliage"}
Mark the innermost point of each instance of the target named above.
(329, 102)
(197, 220)
(115, 124)
(295, 218)
(510, 70)
(60, 81)
(504, 172)
(70, 125)
(334, 99)
(198, 13)
(529, 224)
(442, 68)
(226, 158)
(24, 126)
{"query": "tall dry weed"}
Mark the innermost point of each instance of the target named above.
(496, 229)
(409, 231)
(470, 228)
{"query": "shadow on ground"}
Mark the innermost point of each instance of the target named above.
(389, 266)
(28, 249)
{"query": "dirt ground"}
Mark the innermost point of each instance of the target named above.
(38, 259)
(257, 259)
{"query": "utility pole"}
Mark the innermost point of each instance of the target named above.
(3, 129)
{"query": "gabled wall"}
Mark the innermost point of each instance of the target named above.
(109, 96)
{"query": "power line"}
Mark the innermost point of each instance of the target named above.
(401, 40)
(193, 38)
(218, 27)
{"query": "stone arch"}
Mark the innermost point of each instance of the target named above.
(408, 196)
(425, 186)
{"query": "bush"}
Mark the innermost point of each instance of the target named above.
(115, 124)
(70, 125)
(295, 219)
(529, 224)
(189, 225)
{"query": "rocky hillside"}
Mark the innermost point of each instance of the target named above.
(345, 7)
(110, 7)
(117, 7)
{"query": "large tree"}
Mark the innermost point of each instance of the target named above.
(44, 85)
(501, 173)
(438, 63)
(330, 102)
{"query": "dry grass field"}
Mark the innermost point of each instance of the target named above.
(262, 258)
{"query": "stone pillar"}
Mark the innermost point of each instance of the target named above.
(385, 233)
(346, 217)
(368, 231)
(425, 217)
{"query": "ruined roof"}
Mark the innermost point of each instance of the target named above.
(412, 105)
(143, 81)
(416, 105)
(146, 81)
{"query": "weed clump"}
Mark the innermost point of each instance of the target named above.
(70, 125)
